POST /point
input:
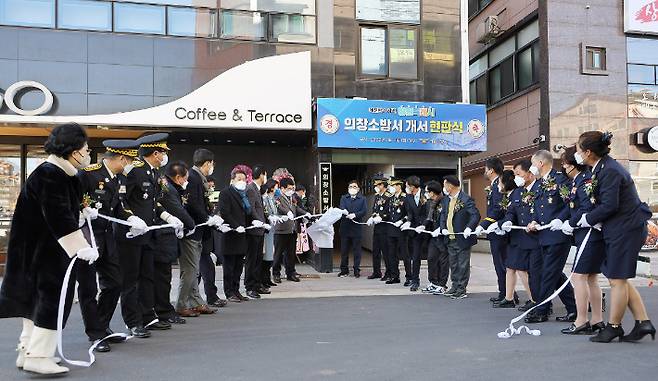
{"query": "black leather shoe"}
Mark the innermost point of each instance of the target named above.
(393, 280)
(253, 294)
(374, 276)
(608, 334)
(385, 278)
(497, 299)
(115, 340)
(277, 278)
(293, 278)
(505, 304)
(357, 274)
(414, 287)
(528, 305)
(407, 283)
(219, 303)
(234, 299)
(159, 326)
(570, 317)
(263, 290)
(600, 326)
(242, 297)
(103, 346)
(140, 332)
(585, 329)
(641, 329)
(176, 320)
(535, 318)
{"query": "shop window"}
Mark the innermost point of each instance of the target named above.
(84, 14)
(642, 74)
(501, 80)
(191, 22)
(645, 176)
(402, 52)
(243, 25)
(642, 50)
(294, 28)
(10, 187)
(35, 13)
(304, 7)
(400, 11)
(139, 18)
(373, 51)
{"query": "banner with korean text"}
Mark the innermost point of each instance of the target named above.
(375, 124)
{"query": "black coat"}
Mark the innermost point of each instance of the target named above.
(257, 209)
(47, 213)
(416, 214)
(467, 216)
(232, 211)
(103, 188)
(172, 199)
(356, 205)
(198, 205)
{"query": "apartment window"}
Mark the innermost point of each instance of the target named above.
(373, 51)
(595, 58)
(139, 18)
(84, 14)
(475, 6)
(304, 7)
(389, 51)
(292, 28)
(501, 80)
(243, 25)
(35, 13)
(191, 22)
(402, 52)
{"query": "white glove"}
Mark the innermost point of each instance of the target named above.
(506, 226)
(351, 216)
(274, 220)
(137, 226)
(91, 213)
(345, 212)
(290, 215)
(370, 221)
(556, 225)
(436, 233)
(419, 229)
(445, 232)
(257, 223)
(598, 226)
(492, 228)
(240, 229)
(583, 222)
(213, 257)
(88, 254)
(566, 228)
(405, 225)
(308, 215)
(500, 231)
(267, 227)
(377, 220)
(397, 224)
(215, 220)
(479, 230)
(224, 228)
(468, 232)
(178, 225)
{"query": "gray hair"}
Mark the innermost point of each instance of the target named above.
(544, 156)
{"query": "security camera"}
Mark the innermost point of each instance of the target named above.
(539, 139)
(559, 147)
(587, 6)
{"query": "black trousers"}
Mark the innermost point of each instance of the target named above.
(499, 255)
(418, 242)
(253, 262)
(285, 246)
(265, 274)
(394, 254)
(555, 257)
(162, 290)
(406, 253)
(233, 265)
(438, 265)
(137, 293)
(348, 244)
(379, 252)
(97, 315)
(207, 267)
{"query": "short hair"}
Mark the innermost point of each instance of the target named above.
(495, 164)
(300, 187)
(353, 182)
(201, 156)
(286, 182)
(65, 139)
(434, 186)
(544, 155)
(177, 168)
(258, 170)
(507, 179)
(596, 141)
(237, 171)
(569, 157)
(453, 180)
(268, 186)
(525, 164)
(414, 181)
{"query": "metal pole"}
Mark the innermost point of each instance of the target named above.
(463, 16)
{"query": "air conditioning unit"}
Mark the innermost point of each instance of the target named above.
(488, 30)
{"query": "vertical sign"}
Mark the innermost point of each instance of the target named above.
(325, 187)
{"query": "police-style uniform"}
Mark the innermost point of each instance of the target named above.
(396, 240)
(380, 209)
(498, 244)
(101, 189)
(554, 245)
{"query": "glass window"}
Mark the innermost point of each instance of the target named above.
(525, 68)
(642, 50)
(10, 188)
(402, 53)
(501, 80)
(373, 51)
(403, 11)
(293, 28)
(644, 74)
(478, 67)
(245, 25)
(595, 58)
(191, 22)
(139, 18)
(84, 14)
(528, 34)
(38, 13)
(501, 51)
(645, 175)
(474, 6)
(305, 7)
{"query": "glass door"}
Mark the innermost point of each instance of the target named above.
(10, 187)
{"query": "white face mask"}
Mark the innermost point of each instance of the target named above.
(519, 181)
(289, 192)
(211, 170)
(165, 160)
(428, 195)
(376, 189)
(579, 158)
(352, 191)
(127, 169)
(534, 170)
(408, 190)
(184, 186)
(240, 185)
(445, 191)
(391, 189)
(85, 161)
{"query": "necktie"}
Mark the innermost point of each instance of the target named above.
(451, 214)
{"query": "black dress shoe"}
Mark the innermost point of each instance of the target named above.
(536, 318)
(242, 297)
(414, 287)
(528, 305)
(271, 284)
(600, 326)
(608, 334)
(385, 278)
(234, 299)
(497, 299)
(293, 278)
(263, 290)
(357, 274)
(176, 320)
(253, 294)
(116, 339)
(159, 326)
(393, 280)
(570, 317)
(374, 276)
(407, 283)
(641, 329)
(505, 304)
(219, 303)
(140, 332)
(585, 329)
(277, 278)
(103, 346)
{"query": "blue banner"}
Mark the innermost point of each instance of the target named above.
(373, 124)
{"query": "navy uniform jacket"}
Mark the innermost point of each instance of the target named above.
(495, 210)
(102, 191)
(356, 205)
(143, 185)
(416, 214)
(396, 212)
(617, 205)
(467, 216)
(580, 203)
(198, 205)
(520, 213)
(380, 208)
(549, 205)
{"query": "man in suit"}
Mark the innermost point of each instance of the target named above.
(396, 240)
(379, 237)
(414, 203)
(351, 232)
(459, 215)
(143, 185)
(437, 253)
(256, 237)
(101, 186)
(285, 233)
(550, 209)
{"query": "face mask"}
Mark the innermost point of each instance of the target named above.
(184, 186)
(391, 189)
(211, 170)
(534, 170)
(352, 191)
(376, 189)
(408, 189)
(289, 193)
(240, 185)
(85, 162)
(519, 181)
(165, 160)
(445, 191)
(579, 158)
(277, 192)
(127, 169)
(428, 195)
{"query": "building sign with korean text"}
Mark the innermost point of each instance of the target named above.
(641, 16)
(375, 124)
(325, 187)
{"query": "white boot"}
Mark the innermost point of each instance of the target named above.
(23, 341)
(40, 352)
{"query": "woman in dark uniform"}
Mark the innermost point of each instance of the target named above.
(624, 216)
(45, 235)
(585, 274)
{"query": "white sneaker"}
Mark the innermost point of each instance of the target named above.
(431, 288)
(439, 291)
